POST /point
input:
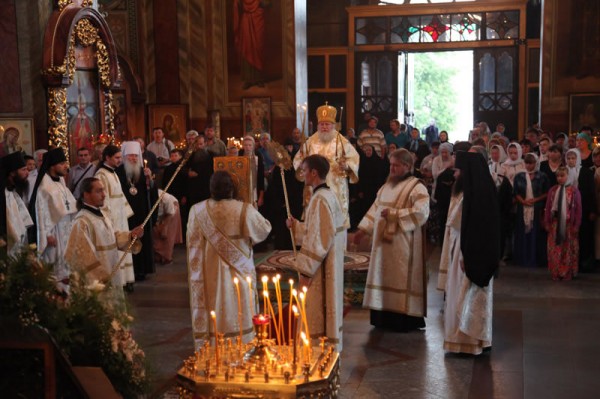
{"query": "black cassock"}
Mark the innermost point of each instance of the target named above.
(141, 202)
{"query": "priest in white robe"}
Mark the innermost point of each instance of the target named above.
(53, 206)
(468, 280)
(220, 235)
(116, 207)
(321, 258)
(17, 215)
(342, 156)
(396, 286)
(93, 245)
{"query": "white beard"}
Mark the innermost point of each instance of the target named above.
(133, 170)
(327, 137)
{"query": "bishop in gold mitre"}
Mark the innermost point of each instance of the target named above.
(342, 156)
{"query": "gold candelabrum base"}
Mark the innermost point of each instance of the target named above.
(260, 369)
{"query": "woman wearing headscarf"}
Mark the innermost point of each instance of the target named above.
(470, 256)
(530, 190)
(497, 158)
(583, 179)
(584, 145)
(514, 164)
(562, 140)
(371, 176)
(562, 220)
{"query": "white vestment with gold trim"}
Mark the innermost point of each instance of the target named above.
(396, 281)
(322, 237)
(337, 179)
(220, 235)
(117, 209)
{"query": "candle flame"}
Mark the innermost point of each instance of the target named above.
(235, 280)
(278, 276)
(213, 314)
(274, 280)
(295, 309)
(266, 294)
(249, 280)
(304, 289)
(291, 282)
(294, 292)
(302, 296)
(265, 279)
(303, 336)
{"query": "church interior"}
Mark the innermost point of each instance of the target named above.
(78, 72)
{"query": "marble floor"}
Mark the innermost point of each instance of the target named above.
(545, 342)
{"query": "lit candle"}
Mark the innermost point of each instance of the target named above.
(145, 163)
(290, 311)
(304, 351)
(303, 312)
(213, 315)
(237, 289)
(279, 305)
(264, 280)
(251, 295)
(272, 313)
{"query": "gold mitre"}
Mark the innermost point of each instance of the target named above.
(326, 113)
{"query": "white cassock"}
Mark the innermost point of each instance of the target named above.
(397, 279)
(220, 235)
(321, 257)
(54, 209)
(117, 209)
(468, 307)
(17, 222)
(337, 180)
(93, 248)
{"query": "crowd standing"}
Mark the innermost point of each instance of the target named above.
(532, 202)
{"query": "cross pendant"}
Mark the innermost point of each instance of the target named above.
(67, 205)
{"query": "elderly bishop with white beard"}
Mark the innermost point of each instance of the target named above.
(343, 158)
(141, 193)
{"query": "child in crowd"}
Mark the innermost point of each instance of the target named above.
(562, 220)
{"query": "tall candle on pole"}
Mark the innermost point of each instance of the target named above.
(250, 295)
(213, 315)
(237, 289)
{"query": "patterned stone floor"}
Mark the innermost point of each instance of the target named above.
(545, 341)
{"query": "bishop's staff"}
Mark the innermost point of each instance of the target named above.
(188, 154)
(282, 158)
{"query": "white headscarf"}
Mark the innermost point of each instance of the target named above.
(495, 166)
(509, 161)
(573, 172)
(529, 210)
(132, 147)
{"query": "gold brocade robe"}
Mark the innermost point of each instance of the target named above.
(468, 307)
(17, 222)
(396, 281)
(93, 248)
(322, 237)
(117, 209)
(337, 179)
(54, 209)
(211, 275)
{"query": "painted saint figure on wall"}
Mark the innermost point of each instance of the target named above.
(249, 35)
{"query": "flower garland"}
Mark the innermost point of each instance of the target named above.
(89, 325)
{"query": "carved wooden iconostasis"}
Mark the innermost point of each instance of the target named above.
(80, 71)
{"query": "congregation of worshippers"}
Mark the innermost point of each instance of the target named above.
(486, 202)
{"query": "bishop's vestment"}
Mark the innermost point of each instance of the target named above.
(322, 237)
(220, 235)
(117, 209)
(337, 179)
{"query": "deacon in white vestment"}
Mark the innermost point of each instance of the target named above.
(321, 258)
(220, 235)
(93, 243)
(396, 286)
(17, 215)
(470, 256)
(54, 208)
(116, 207)
(342, 156)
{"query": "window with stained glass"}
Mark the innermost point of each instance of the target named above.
(437, 28)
